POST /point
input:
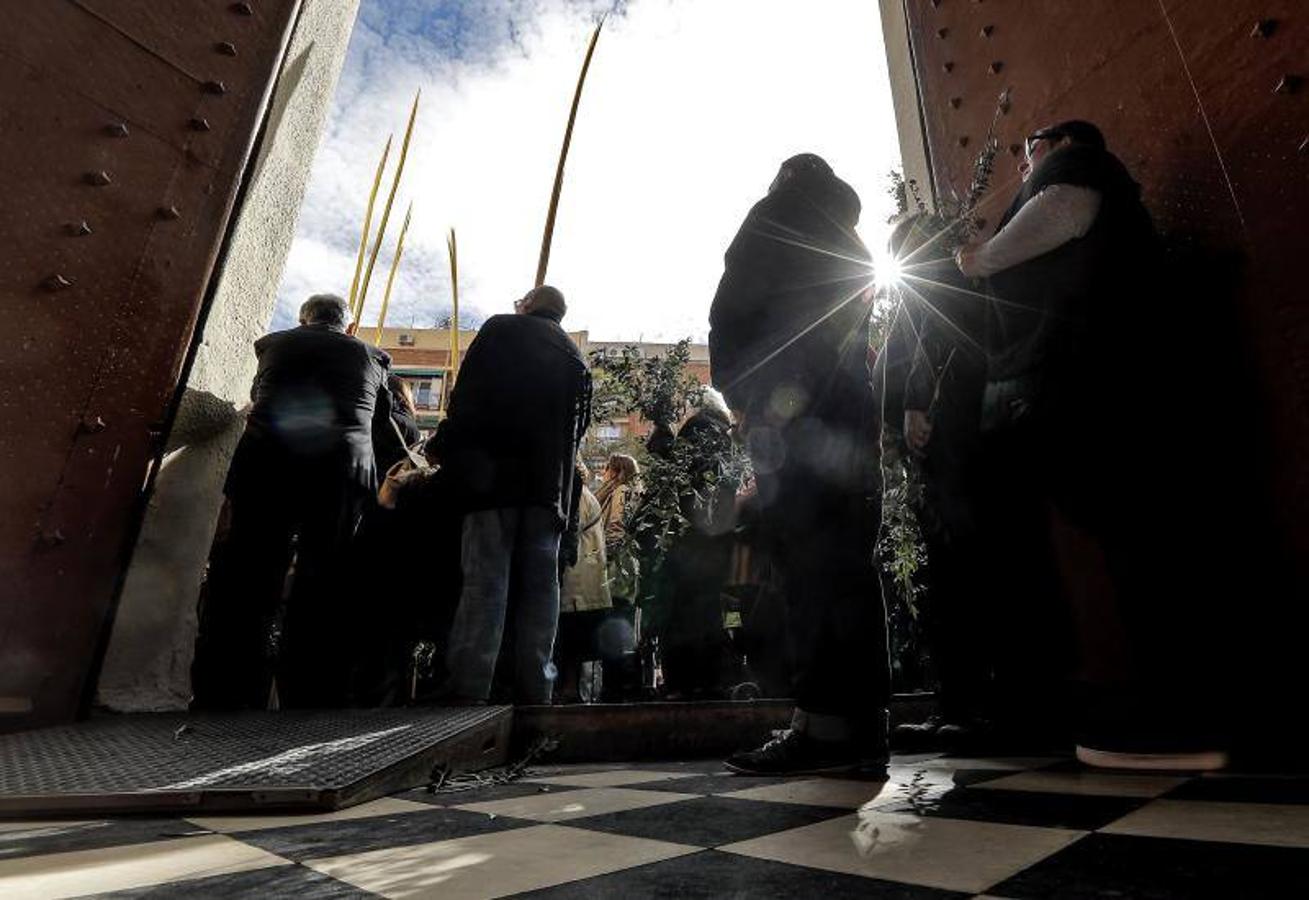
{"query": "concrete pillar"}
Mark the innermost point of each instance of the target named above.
(906, 101)
(147, 664)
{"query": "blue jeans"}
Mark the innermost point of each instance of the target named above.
(507, 554)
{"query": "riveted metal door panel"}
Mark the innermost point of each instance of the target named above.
(125, 141)
(1207, 103)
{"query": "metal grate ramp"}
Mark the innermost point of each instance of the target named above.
(307, 760)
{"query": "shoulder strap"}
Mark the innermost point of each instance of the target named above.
(414, 457)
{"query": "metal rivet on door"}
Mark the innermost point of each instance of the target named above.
(52, 537)
(1288, 85)
(80, 229)
(97, 179)
(1264, 28)
(199, 123)
(117, 129)
(169, 212)
(58, 282)
(226, 48)
(214, 87)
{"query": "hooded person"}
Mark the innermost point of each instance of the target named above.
(788, 347)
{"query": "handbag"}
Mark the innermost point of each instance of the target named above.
(408, 474)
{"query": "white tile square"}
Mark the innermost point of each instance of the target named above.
(48, 826)
(934, 852)
(996, 763)
(1272, 824)
(54, 875)
(387, 806)
(835, 792)
(614, 778)
(493, 865)
(567, 805)
(1088, 784)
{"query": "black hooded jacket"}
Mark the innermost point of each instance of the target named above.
(791, 311)
(518, 410)
(1052, 310)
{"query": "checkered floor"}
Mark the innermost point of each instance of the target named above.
(940, 827)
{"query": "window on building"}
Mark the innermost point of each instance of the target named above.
(406, 339)
(608, 432)
(427, 393)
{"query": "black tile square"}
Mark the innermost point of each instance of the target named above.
(511, 791)
(1244, 789)
(61, 837)
(711, 875)
(1144, 868)
(1048, 810)
(289, 882)
(713, 766)
(302, 842)
(708, 821)
(716, 784)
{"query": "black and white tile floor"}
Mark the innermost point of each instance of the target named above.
(940, 827)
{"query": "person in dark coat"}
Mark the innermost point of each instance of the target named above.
(298, 485)
(398, 430)
(933, 395)
(389, 544)
(693, 641)
(788, 347)
(1065, 269)
(517, 414)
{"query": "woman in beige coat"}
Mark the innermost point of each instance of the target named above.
(583, 596)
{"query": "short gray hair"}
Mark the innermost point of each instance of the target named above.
(324, 309)
(545, 299)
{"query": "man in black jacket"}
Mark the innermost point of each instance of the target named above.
(517, 414)
(788, 348)
(299, 480)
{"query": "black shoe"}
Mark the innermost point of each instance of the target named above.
(917, 737)
(792, 753)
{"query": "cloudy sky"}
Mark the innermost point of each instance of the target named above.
(688, 109)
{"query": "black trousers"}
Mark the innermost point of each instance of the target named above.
(311, 516)
(821, 513)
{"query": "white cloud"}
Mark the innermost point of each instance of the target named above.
(689, 107)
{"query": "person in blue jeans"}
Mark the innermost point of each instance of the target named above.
(506, 450)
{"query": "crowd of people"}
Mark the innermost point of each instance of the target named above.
(986, 383)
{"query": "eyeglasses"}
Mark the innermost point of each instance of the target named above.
(1044, 135)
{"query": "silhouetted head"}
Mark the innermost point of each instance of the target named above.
(810, 173)
(324, 311)
(545, 301)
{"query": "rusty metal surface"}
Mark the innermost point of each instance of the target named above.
(1186, 92)
(115, 209)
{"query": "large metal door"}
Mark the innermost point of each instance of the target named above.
(125, 128)
(1207, 102)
